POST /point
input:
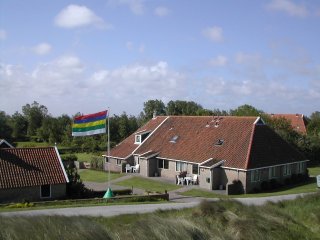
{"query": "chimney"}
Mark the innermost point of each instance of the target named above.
(154, 114)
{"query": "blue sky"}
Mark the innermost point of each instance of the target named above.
(84, 56)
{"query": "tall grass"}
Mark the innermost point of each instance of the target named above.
(225, 219)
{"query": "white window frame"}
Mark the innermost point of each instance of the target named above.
(41, 196)
(181, 166)
(272, 172)
(118, 161)
(137, 139)
(255, 175)
(163, 161)
(286, 170)
(300, 167)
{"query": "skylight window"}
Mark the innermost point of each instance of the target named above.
(174, 139)
(219, 142)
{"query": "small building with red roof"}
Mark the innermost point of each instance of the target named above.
(297, 121)
(219, 150)
(31, 174)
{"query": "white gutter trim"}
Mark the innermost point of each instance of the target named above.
(114, 157)
(214, 165)
(4, 141)
(176, 160)
(149, 135)
(248, 170)
(61, 164)
(205, 161)
(155, 154)
(142, 131)
(257, 120)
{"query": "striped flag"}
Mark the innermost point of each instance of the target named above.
(90, 124)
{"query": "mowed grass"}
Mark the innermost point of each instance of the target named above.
(89, 175)
(147, 184)
(308, 187)
(314, 171)
(86, 157)
(225, 219)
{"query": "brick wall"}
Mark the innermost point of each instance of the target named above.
(31, 194)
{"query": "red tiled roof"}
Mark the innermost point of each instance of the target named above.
(298, 121)
(240, 141)
(23, 167)
(127, 146)
(268, 149)
(197, 137)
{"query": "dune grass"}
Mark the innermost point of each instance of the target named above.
(147, 184)
(89, 175)
(225, 219)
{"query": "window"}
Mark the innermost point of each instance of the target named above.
(300, 167)
(138, 139)
(195, 169)
(208, 180)
(272, 172)
(255, 176)
(286, 170)
(219, 142)
(45, 191)
(181, 166)
(163, 164)
(174, 139)
(118, 161)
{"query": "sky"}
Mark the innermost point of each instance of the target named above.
(87, 56)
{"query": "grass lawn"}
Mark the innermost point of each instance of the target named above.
(147, 184)
(97, 176)
(311, 186)
(86, 157)
(314, 171)
(33, 144)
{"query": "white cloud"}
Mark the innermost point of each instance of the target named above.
(161, 11)
(214, 33)
(42, 49)
(74, 16)
(137, 7)
(65, 84)
(218, 61)
(3, 34)
(288, 7)
(140, 81)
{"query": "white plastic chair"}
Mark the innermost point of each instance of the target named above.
(136, 168)
(180, 180)
(194, 179)
(128, 168)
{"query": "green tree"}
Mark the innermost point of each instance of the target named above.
(245, 110)
(313, 126)
(19, 126)
(153, 106)
(186, 108)
(34, 113)
(5, 128)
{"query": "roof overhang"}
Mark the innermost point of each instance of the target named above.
(214, 165)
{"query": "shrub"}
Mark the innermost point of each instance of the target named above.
(96, 163)
(265, 185)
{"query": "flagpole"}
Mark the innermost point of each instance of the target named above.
(109, 192)
(108, 146)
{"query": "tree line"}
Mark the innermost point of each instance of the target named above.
(36, 124)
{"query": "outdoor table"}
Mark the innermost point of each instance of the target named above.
(188, 180)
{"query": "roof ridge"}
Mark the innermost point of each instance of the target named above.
(250, 146)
